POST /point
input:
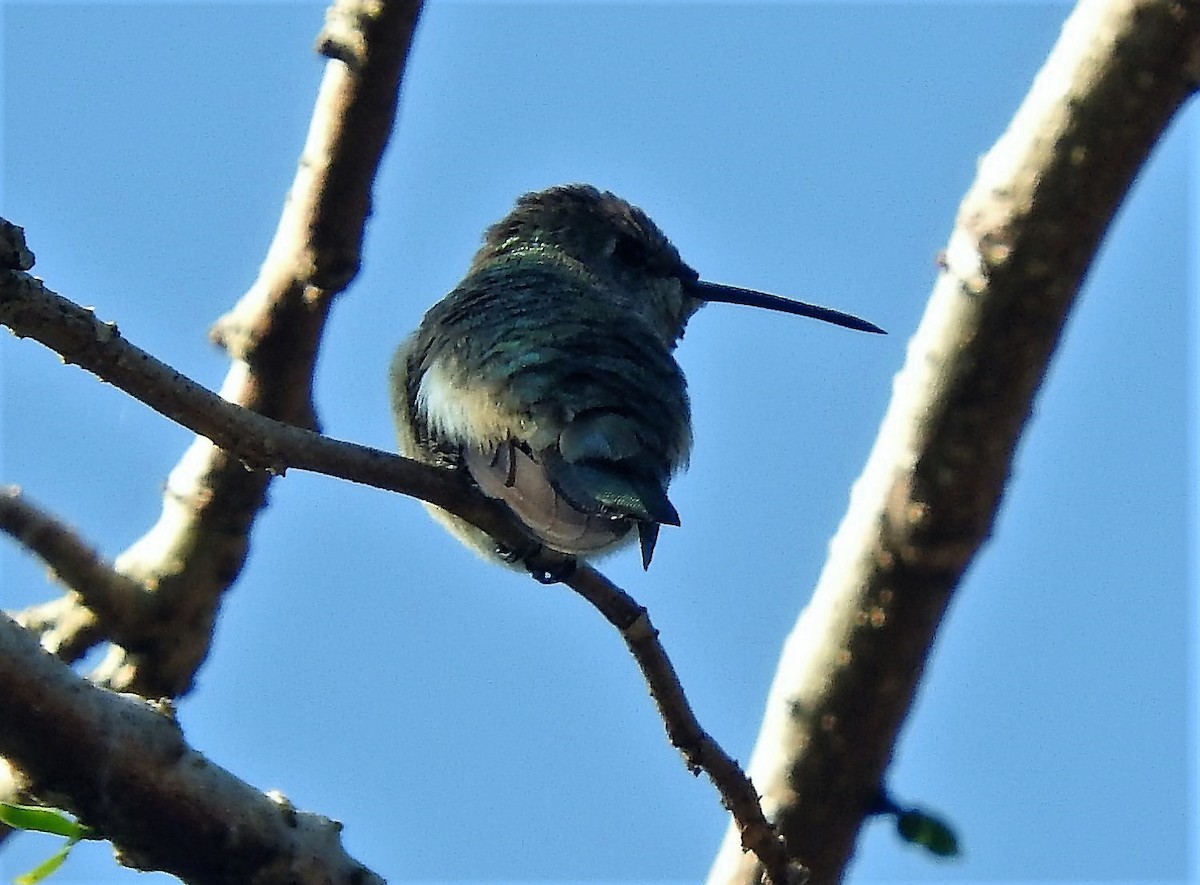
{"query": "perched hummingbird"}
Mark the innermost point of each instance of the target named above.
(547, 373)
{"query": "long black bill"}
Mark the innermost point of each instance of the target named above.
(706, 291)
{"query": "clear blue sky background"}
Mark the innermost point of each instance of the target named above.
(467, 724)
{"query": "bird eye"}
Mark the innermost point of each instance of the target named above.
(631, 251)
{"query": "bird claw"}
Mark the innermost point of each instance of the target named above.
(555, 573)
(511, 557)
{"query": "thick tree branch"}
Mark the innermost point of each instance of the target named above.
(1025, 236)
(121, 763)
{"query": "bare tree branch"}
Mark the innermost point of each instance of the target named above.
(118, 759)
(120, 602)
(1025, 236)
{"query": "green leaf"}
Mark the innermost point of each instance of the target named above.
(46, 867)
(931, 833)
(42, 820)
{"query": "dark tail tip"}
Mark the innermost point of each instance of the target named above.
(647, 537)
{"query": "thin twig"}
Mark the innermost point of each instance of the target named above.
(31, 310)
(700, 751)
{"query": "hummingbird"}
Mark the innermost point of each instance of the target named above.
(548, 373)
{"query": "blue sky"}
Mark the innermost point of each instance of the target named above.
(467, 724)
